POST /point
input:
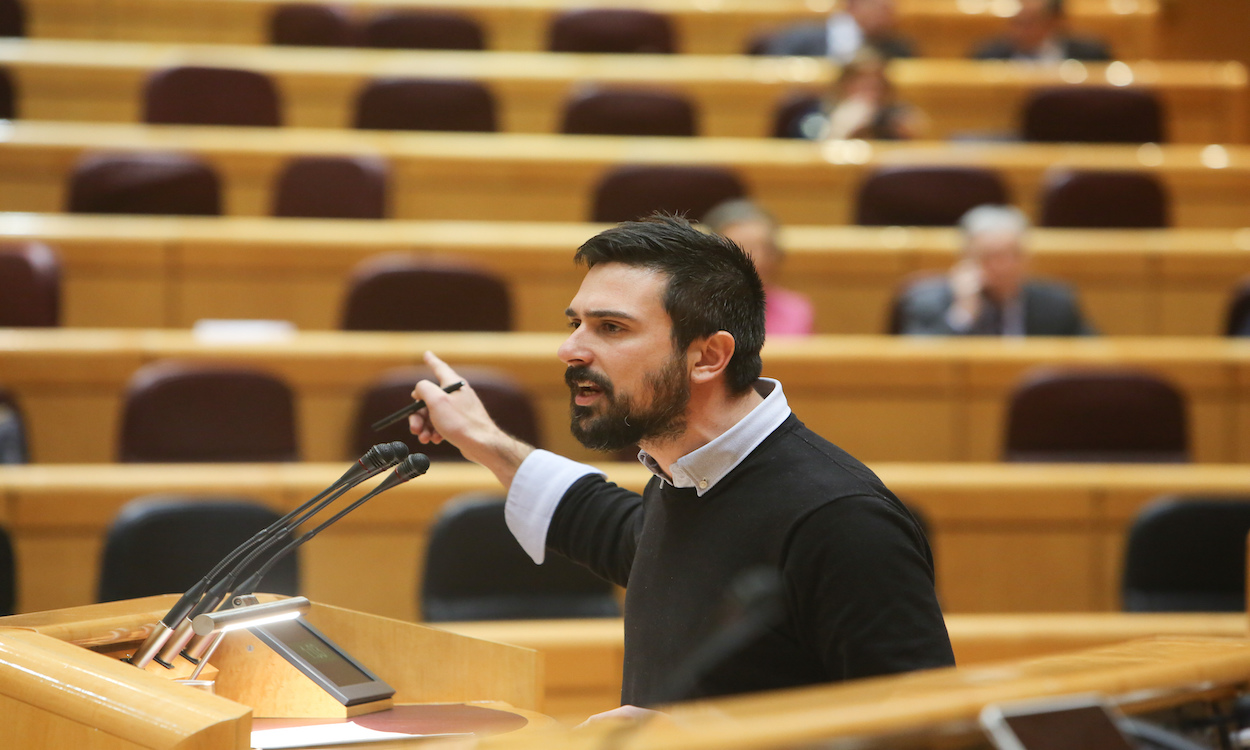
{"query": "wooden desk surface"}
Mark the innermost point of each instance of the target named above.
(736, 96)
(947, 28)
(168, 272)
(522, 177)
(882, 398)
(583, 657)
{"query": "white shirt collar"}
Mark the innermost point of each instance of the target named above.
(707, 465)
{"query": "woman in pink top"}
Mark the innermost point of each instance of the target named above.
(787, 312)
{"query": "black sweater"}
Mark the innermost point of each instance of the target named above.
(856, 571)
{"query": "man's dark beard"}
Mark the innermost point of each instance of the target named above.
(617, 426)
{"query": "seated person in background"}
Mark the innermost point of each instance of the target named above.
(786, 312)
(863, 24)
(987, 293)
(1037, 33)
(862, 105)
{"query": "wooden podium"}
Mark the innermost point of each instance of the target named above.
(62, 683)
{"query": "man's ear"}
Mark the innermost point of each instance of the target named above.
(710, 356)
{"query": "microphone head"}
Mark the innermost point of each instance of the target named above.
(414, 465)
(384, 455)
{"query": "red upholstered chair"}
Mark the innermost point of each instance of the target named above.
(631, 192)
(1096, 416)
(425, 104)
(184, 412)
(398, 292)
(475, 570)
(421, 29)
(311, 25)
(170, 184)
(507, 403)
(1187, 554)
(163, 544)
(925, 196)
(8, 576)
(30, 285)
(332, 187)
(12, 18)
(1122, 200)
(1092, 114)
(193, 95)
(615, 30)
(597, 111)
(8, 97)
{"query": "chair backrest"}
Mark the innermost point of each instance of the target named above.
(790, 113)
(1237, 322)
(8, 575)
(425, 104)
(421, 29)
(169, 184)
(925, 196)
(311, 25)
(1122, 200)
(8, 96)
(631, 192)
(399, 292)
(183, 412)
(505, 400)
(193, 95)
(1096, 416)
(476, 570)
(596, 111)
(1187, 554)
(163, 544)
(614, 30)
(332, 187)
(1092, 114)
(30, 285)
(12, 18)
(13, 446)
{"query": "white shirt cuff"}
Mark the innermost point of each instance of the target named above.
(540, 483)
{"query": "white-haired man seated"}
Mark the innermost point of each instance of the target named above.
(988, 292)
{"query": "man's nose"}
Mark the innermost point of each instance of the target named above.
(572, 351)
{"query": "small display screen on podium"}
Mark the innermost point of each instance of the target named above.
(323, 662)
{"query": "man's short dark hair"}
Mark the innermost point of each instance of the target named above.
(712, 285)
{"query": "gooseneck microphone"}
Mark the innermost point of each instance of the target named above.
(411, 467)
(196, 646)
(376, 460)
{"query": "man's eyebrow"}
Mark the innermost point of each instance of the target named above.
(571, 313)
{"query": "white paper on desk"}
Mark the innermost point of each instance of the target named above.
(320, 735)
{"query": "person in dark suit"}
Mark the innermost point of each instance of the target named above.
(1038, 33)
(988, 292)
(863, 24)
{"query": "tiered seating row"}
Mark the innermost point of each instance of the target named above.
(735, 96)
(1039, 538)
(551, 178)
(883, 399)
(944, 28)
(166, 272)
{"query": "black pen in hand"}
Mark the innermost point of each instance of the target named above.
(412, 408)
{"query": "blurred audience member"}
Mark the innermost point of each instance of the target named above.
(862, 104)
(862, 24)
(988, 292)
(787, 313)
(1038, 32)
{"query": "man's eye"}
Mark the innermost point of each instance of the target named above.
(611, 327)
(573, 324)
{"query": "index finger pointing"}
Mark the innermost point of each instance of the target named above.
(446, 376)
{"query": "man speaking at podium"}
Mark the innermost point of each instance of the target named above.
(664, 351)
